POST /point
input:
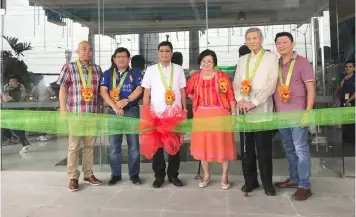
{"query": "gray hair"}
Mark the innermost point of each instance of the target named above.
(254, 29)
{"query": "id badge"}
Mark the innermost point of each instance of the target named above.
(347, 96)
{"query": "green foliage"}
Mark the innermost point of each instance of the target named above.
(12, 65)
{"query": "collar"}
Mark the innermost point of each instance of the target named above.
(127, 70)
(81, 63)
(346, 76)
(295, 54)
(169, 65)
(253, 54)
(293, 57)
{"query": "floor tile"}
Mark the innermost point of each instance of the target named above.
(88, 198)
(191, 214)
(325, 206)
(30, 196)
(198, 201)
(142, 199)
(259, 204)
(130, 213)
(17, 211)
(61, 212)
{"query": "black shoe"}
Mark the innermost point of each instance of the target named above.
(245, 188)
(176, 182)
(135, 180)
(157, 183)
(270, 191)
(114, 179)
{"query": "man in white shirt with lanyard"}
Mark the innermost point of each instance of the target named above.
(154, 94)
(254, 85)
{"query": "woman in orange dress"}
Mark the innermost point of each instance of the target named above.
(212, 95)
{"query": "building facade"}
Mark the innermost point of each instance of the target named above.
(48, 31)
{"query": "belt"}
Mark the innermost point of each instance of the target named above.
(130, 106)
(126, 107)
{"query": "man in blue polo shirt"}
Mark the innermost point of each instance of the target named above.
(120, 88)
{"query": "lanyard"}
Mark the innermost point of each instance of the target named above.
(289, 75)
(259, 58)
(90, 70)
(122, 79)
(164, 80)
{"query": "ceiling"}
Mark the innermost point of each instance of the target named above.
(144, 16)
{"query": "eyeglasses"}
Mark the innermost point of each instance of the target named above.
(207, 62)
(121, 57)
(164, 51)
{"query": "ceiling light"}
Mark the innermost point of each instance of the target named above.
(241, 16)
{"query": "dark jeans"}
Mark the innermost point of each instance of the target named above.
(22, 137)
(262, 141)
(133, 147)
(159, 165)
(295, 144)
(5, 134)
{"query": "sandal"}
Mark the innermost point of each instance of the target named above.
(203, 184)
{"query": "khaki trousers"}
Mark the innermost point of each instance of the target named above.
(87, 157)
(87, 152)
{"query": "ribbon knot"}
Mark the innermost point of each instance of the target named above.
(159, 133)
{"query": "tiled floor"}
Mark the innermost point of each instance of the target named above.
(43, 194)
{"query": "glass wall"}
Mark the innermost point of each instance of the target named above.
(42, 35)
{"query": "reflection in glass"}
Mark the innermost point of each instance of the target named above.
(55, 30)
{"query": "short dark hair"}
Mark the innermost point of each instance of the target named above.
(121, 50)
(165, 43)
(243, 50)
(281, 34)
(138, 62)
(118, 50)
(205, 53)
(350, 61)
(177, 58)
(13, 76)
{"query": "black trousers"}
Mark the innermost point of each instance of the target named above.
(262, 142)
(159, 165)
(348, 130)
(22, 137)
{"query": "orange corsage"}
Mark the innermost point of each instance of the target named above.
(284, 93)
(87, 93)
(170, 97)
(115, 94)
(222, 85)
(246, 86)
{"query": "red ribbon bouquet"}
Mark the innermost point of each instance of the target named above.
(157, 130)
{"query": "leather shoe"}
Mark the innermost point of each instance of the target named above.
(245, 188)
(270, 191)
(176, 182)
(114, 179)
(288, 183)
(92, 180)
(135, 180)
(73, 185)
(157, 183)
(302, 194)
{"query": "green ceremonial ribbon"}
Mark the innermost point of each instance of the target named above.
(90, 74)
(226, 69)
(289, 75)
(122, 79)
(82, 124)
(164, 80)
(255, 67)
